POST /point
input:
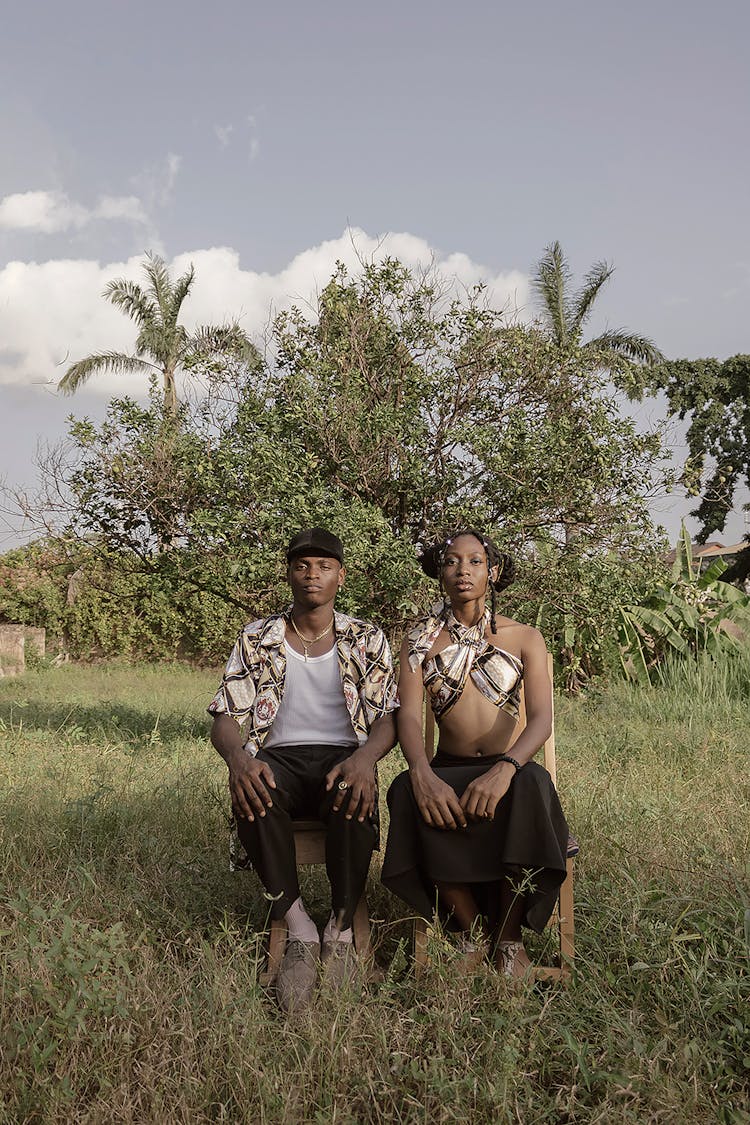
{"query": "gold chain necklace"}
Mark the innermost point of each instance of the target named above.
(310, 640)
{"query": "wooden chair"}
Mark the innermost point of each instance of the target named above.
(310, 846)
(563, 915)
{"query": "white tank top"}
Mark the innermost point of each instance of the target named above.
(313, 708)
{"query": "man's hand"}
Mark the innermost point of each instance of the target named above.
(482, 795)
(354, 779)
(437, 802)
(249, 784)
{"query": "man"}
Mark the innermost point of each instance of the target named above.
(316, 691)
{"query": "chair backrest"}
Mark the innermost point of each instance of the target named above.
(550, 761)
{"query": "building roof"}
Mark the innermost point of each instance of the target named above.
(712, 550)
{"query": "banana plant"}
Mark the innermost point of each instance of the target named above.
(695, 613)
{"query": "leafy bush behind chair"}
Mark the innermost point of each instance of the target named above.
(696, 613)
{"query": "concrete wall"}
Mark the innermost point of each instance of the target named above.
(13, 641)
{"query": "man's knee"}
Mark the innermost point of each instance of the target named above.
(351, 832)
(340, 822)
(327, 812)
(274, 824)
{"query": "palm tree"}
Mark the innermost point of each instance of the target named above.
(565, 313)
(162, 344)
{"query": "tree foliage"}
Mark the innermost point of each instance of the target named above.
(715, 396)
(99, 603)
(565, 313)
(694, 613)
(163, 345)
(395, 413)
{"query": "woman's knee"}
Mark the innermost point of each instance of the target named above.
(532, 778)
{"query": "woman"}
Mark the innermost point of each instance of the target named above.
(478, 832)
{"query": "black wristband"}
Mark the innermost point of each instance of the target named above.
(513, 761)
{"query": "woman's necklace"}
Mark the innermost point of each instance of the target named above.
(307, 642)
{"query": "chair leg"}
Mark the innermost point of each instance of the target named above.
(567, 924)
(361, 927)
(276, 947)
(420, 945)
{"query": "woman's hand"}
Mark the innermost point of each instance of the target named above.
(437, 802)
(482, 795)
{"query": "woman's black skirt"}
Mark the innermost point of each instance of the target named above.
(527, 839)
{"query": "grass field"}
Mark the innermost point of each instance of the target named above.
(129, 955)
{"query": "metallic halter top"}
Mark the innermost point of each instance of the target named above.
(497, 674)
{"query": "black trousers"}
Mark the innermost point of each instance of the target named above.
(300, 772)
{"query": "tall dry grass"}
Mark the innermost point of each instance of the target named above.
(129, 956)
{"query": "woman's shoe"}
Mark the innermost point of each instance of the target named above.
(471, 953)
(512, 959)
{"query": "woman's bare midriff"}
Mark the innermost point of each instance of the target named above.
(474, 727)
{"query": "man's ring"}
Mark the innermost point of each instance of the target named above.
(343, 785)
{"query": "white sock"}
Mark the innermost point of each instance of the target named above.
(333, 933)
(300, 925)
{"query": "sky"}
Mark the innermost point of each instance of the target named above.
(264, 142)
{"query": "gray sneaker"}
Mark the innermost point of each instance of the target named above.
(298, 973)
(340, 964)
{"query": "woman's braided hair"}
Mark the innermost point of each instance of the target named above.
(433, 557)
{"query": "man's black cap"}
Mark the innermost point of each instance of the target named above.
(318, 542)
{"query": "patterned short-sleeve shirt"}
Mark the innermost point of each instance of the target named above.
(253, 683)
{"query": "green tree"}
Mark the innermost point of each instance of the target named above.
(163, 345)
(437, 411)
(96, 602)
(396, 414)
(715, 396)
(565, 312)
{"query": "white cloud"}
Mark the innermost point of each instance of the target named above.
(252, 124)
(223, 289)
(170, 177)
(127, 207)
(44, 211)
(155, 184)
(49, 212)
(52, 313)
(223, 133)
